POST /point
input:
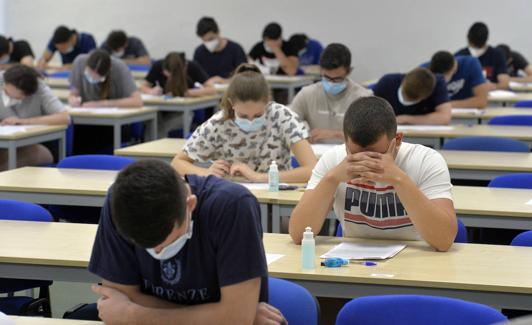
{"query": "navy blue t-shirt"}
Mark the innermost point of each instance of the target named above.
(225, 249)
(312, 53)
(388, 86)
(492, 61)
(84, 44)
(221, 63)
(467, 77)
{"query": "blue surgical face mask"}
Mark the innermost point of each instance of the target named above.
(4, 59)
(250, 126)
(68, 50)
(333, 88)
(175, 247)
(90, 79)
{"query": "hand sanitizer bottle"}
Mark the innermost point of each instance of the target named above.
(308, 250)
(273, 177)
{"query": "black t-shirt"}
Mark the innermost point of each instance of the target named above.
(518, 63)
(221, 63)
(195, 73)
(258, 52)
(21, 49)
(492, 61)
(225, 249)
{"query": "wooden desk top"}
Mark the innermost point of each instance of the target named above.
(454, 131)
(33, 131)
(486, 160)
(162, 148)
(489, 113)
(19, 320)
(109, 112)
(521, 86)
(509, 99)
(288, 79)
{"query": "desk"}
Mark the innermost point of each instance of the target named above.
(116, 118)
(64, 83)
(505, 100)
(291, 83)
(164, 149)
(521, 86)
(482, 116)
(19, 320)
(32, 135)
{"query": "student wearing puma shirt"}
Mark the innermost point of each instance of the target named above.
(379, 186)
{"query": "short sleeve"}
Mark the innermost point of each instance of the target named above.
(475, 72)
(327, 162)
(292, 127)
(440, 94)
(51, 46)
(519, 61)
(49, 102)
(76, 75)
(299, 105)
(154, 74)
(139, 48)
(113, 258)
(24, 49)
(256, 51)
(435, 181)
(127, 83)
(201, 145)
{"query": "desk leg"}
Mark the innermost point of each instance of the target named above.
(117, 136)
(291, 94)
(187, 121)
(12, 155)
(276, 219)
(264, 216)
(62, 147)
(151, 132)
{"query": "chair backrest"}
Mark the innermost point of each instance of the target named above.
(524, 104)
(518, 120)
(100, 162)
(23, 211)
(416, 310)
(295, 302)
(517, 180)
(486, 144)
(523, 239)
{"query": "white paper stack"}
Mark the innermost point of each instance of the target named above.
(353, 251)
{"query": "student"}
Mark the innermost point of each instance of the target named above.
(466, 85)
(179, 251)
(99, 80)
(130, 49)
(273, 53)
(323, 104)
(247, 135)
(218, 56)
(309, 50)
(70, 43)
(374, 179)
(15, 52)
(491, 59)
(418, 97)
(25, 100)
(175, 77)
(517, 66)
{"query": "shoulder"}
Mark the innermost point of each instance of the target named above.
(86, 36)
(390, 80)
(462, 51)
(118, 64)
(80, 61)
(419, 155)
(358, 90)
(133, 40)
(440, 80)
(257, 47)
(312, 90)
(233, 45)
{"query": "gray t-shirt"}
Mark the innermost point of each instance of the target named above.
(43, 102)
(322, 110)
(122, 83)
(134, 48)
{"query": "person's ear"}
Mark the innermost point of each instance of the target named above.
(192, 201)
(399, 139)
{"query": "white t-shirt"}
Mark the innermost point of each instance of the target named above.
(377, 212)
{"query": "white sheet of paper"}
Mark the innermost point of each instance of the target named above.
(425, 127)
(474, 111)
(529, 202)
(221, 86)
(320, 149)
(12, 129)
(5, 320)
(255, 186)
(270, 258)
(518, 84)
(101, 110)
(354, 251)
(502, 93)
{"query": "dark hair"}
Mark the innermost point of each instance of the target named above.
(367, 119)
(298, 41)
(100, 62)
(62, 34)
(272, 31)
(205, 25)
(4, 45)
(176, 84)
(334, 56)
(442, 62)
(246, 67)
(22, 77)
(148, 198)
(116, 40)
(505, 50)
(418, 84)
(478, 34)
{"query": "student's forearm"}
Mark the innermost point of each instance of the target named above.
(27, 60)
(124, 102)
(184, 167)
(297, 175)
(199, 92)
(433, 118)
(288, 65)
(54, 119)
(503, 81)
(471, 102)
(521, 79)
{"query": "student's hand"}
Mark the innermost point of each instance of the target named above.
(492, 86)
(403, 119)
(354, 165)
(268, 315)
(317, 135)
(74, 101)
(156, 91)
(12, 120)
(219, 168)
(112, 305)
(241, 169)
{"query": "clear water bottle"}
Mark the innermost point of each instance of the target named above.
(273, 177)
(308, 250)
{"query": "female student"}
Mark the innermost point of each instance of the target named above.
(98, 80)
(247, 135)
(25, 99)
(175, 77)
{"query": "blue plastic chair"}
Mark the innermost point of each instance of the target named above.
(516, 120)
(524, 104)
(517, 180)
(486, 144)
(21, 305)
(295, 302)
(416, 310)
(523, 239)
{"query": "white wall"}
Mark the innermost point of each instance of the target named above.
(383, 35)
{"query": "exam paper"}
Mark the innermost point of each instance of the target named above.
(514, 84)
(355, 251)
(425, 127)
(502, 93)
(12, 129)
(270, 258)
(529, 202)
(474, 111)
(101, 110)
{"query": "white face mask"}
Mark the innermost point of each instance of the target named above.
(4, 59)
(212, 44)
(267, 48)
(9, 101)
(175, 247)
(402, 100)
(477, 52)
(119, 54)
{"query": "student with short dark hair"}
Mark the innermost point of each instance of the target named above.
(517, 65)
(418, 97)
(248, 134)
(173, 250)
(130, 49)
(322, 105)
(379, 186)
(275, 55)
(70, 43)
(218, 56)
(12, 52)
(26, 100)
(491, 59)
(466, 85)
(309, 50)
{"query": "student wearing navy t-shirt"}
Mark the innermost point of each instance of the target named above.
(175, 251)
(518, 67)
(466, 85)
(218, 56)
(309, 50)
(491, 59)
(418, 97)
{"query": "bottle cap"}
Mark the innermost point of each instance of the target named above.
(308, 234)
